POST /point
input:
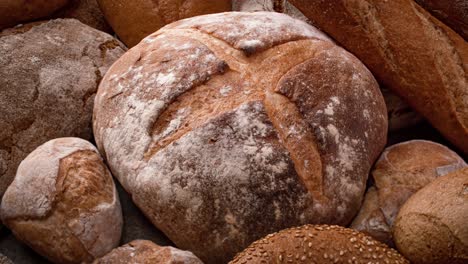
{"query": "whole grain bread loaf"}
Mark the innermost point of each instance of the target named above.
(49, 74)
(431, 227)
(13, 12)
(408, 50)
(401, 171)
(318, 244)
(227, 127)
(63, 202)
(145, 251)
(133, 20)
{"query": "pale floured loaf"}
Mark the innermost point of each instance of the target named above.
(145, 251)
(63, 202)
(228, 127)
(401, 171)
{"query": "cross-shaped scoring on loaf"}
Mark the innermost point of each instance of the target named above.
(202, 71)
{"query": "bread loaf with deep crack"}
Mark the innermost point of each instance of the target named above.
(231, 126)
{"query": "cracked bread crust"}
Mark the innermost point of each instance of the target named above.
(145, 251)
(49, 74)
(401, 171)
(218, 148)
(62, 202)
(421, 59)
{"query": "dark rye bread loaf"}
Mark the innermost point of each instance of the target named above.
(49, 74)
(408, 50)
(228, 127)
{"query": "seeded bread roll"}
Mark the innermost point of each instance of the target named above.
(409, 51)
(63, 202)
(454, 13)
(13, 12)
(228, 127)
(318, 244)
(431, 227)
(145, 251)
(49, 74)
(133, 20)
(401, 170)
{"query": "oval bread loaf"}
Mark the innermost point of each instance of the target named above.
(133, 20)
(431, 227)
(145, 251)
(49, 74)
(409, 51)
(227, 127)
(63, 202)
(320, 244)
(401, 170)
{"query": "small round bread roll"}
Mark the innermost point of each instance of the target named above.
(318, 244)
(432, 226)
(63, 202)
(145, 251)
(401, 170)
(13, 12)
(228, 127)
(49, 74)
(133, 20)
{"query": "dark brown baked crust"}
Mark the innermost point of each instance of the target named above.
(231, 126)
(409, 51)
(133, 20)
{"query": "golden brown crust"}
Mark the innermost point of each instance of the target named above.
(318, 244)
(68, 207)
(431, 226)
(232, 126)
(400, 172)
(13, 12)
(144, 251)
(454, 13)
(403, 45)
(133, 20)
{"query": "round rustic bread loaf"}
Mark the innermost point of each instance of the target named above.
(63, 202)
(133, 20)
(401, 170)
(318, 244)
(403, 45)
(87, 12)
(454, 13)
(49, 74)
(228, 127)
(13, 12)
(431, 227)
(145, 251)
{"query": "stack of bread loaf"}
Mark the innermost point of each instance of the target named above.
(244, 131)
